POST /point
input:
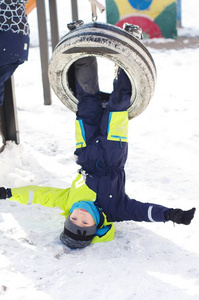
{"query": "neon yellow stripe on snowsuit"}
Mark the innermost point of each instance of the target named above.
(80, 134)
(118, 126)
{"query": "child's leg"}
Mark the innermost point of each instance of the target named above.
(116, 116)
(86, 76)
(89, 107)
(120, 97)
(114, 124)
(6, 72)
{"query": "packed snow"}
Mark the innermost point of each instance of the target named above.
(146, 261)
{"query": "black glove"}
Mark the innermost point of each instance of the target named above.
(180, 216)
(3, 193)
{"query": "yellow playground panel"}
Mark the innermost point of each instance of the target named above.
(157, 18)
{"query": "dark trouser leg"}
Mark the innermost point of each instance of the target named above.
(6, 72)
(114, 124)
(120, 97)
(90, 110)
(87, 92)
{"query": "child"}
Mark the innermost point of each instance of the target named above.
(97, 196)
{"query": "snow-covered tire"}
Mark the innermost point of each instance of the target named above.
(109, 41)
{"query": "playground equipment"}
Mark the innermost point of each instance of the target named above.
(109, 41)
(119, 47)
(156, 18)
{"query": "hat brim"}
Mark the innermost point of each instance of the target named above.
(73, 244)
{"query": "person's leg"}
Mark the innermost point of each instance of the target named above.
(86, 74)
(6, 72)
(120, 97)
(114, 124)
(89, 107)
(118, 104)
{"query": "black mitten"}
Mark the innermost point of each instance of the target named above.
(180, 216)
(3, 193)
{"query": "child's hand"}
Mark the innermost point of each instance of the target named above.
(180, 216)
(3, 193)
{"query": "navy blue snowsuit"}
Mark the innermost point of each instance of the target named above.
(14, 39)
(102, 159)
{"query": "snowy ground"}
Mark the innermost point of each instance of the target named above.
(145, 261)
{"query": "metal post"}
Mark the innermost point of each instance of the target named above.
(54, 23)
(43, 42)
(74, 10)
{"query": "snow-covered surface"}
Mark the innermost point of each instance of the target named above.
(146, 260)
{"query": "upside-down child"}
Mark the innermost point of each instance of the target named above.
(97, 195)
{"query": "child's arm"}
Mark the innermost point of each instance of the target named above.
(46, 196)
